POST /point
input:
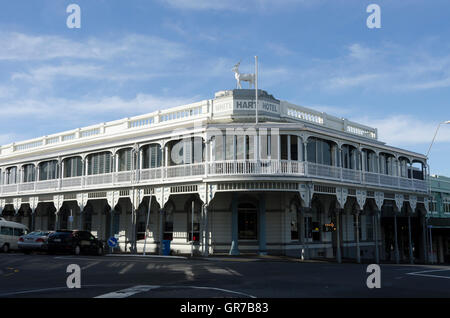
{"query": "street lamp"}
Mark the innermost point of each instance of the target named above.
(429, 227)
(443, 123)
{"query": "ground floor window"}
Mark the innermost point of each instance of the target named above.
(294, 222)
(193, 222)
(355, 225)
(87, 224)
(168, 223)
(312, 229)
(247, 222)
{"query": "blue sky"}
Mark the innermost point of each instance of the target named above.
(133, 57)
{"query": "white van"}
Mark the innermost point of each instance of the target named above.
(9, 234)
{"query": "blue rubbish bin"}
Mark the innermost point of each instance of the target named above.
(166, 247)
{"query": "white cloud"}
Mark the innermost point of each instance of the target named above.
(59, 108)
(401, 130)
(23, 47)
(234, 5)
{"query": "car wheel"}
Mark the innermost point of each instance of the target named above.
(27, 252)
(5, 248)
(77, 250)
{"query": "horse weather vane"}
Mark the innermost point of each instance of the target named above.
(250, 78)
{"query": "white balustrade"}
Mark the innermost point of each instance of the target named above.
(266, 167)
(73, 182)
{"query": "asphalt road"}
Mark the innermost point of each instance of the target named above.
(41, 275)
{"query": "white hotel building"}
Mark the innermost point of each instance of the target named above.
(300, 183)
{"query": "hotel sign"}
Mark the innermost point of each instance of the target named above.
(238, 106)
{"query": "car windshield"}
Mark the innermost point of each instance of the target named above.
(36, 233)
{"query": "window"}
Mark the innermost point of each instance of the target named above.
(11, 175)
(218, 147)
(168, 223)
(87, 221)
(229, 147)
(240, 144)
(29, 173)
(359, 227)
(125, 159)
(195, 230)
(6, 230)
(350, 157)
(284, 147)
(73, 167)
(152, 156)
(294, 222)
(247, 222)
(369, 228)
(48, 170)
(319, 151)
(294, 148)
(308, 227)
(99, 163)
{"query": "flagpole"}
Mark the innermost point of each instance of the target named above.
(256, 102)
(256, 87)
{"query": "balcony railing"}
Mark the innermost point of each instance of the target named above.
(266, 167)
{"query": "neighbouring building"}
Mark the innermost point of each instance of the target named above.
(439, 219)
(300, 182)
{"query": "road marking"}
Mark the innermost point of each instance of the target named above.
(146, 256)
(126, 269)
(422, 273)
(90, 265)
(124, 293)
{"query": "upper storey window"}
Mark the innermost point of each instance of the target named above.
(125, 159)
(350, 157)
(99, 163)
(10, 175)
(73, 167)
(48, 170)
(152, 156)
(186, 151)
(29, 173)
(319, 151)
(370, 160)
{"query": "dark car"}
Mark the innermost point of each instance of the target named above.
(75, 242)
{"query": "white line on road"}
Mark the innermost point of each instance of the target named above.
(422, 273)
(124, 293)
(145, 256)
(90, 265)
(126, 269)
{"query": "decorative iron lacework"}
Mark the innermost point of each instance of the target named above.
(184, 189)
(70, 196)
(324, 189)
(94, 195)
(124, 193)
(258, 186)
(389, 196)
(46, 197)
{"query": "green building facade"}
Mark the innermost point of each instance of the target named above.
(439, 219)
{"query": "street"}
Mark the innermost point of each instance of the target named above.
(119, 276)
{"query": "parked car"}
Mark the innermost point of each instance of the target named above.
(75, 242)
(34, 241)
(10, 233)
